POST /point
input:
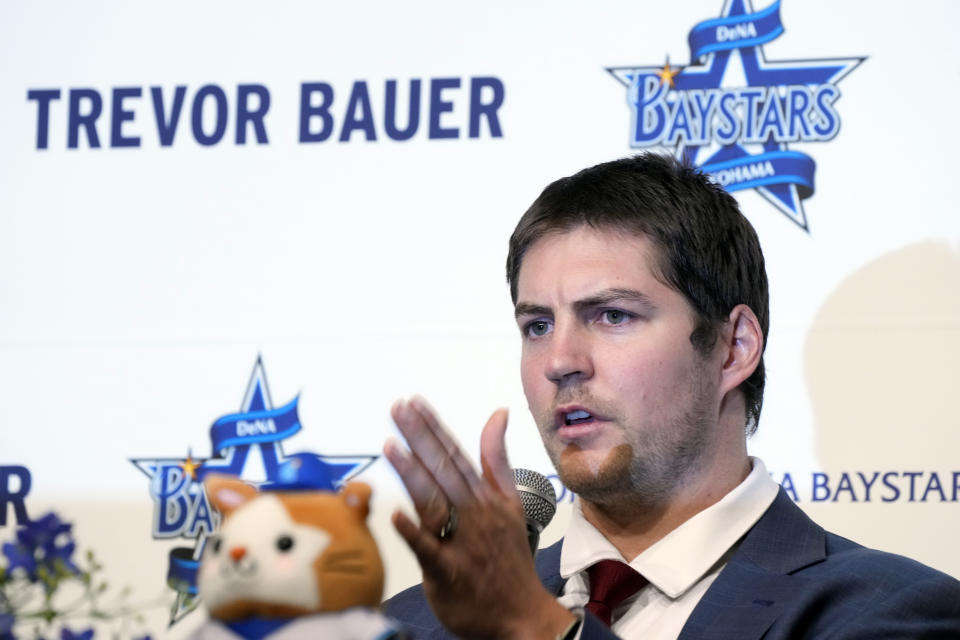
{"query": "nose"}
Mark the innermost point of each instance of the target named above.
(237, 553)
(568, 361)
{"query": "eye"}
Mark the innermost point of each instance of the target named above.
(284, 543)
(215, 543)
(537, 328)
(614, 316)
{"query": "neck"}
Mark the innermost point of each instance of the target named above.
(632, 524)
(633, 528)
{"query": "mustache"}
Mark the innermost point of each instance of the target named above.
(583, 397)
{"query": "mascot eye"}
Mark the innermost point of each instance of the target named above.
(284, 543)
(215, 542)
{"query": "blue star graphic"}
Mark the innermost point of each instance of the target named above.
(257, 400)
(239, 449)
(739, 34)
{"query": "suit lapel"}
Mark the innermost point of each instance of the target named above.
(754, 587)
(548, 568)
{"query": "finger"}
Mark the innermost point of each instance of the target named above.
(429, 500)
(463, 463)
(493, 453)
(430, 451)
(425, 546)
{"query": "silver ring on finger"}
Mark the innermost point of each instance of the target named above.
(450, 526)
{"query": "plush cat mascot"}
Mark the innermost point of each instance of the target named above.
(291, 564)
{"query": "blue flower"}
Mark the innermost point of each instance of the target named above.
(66, 634)
(19, 556)
(6, 626)
(43, 543)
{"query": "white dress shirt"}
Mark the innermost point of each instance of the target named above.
(680, 567)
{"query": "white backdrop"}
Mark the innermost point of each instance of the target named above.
(140, 284)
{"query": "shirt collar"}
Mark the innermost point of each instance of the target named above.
(678, 560)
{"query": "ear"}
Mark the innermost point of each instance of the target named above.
(743, 344)
(356, 495)
(227, 492)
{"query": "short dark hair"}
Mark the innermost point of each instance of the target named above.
(706, 249)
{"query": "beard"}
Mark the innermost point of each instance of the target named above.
(648, 466)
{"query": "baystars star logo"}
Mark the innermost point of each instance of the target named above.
(733, 113)
(247, 444)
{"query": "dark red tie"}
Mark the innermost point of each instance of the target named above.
(611, 582)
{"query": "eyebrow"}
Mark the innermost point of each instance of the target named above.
(614, 295)
(600, 298)
(528, 309)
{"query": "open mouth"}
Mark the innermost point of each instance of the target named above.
(577, 417)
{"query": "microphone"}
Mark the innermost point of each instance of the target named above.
(539, 503)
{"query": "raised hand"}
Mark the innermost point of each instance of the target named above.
(471, 543)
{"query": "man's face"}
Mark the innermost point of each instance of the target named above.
(624, 403)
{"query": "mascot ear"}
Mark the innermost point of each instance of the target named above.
(227, 492)
(356, 495)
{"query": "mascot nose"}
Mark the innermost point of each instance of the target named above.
(237, 553)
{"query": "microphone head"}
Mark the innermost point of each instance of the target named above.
(537, 495)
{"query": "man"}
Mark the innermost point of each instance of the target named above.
(641, 297)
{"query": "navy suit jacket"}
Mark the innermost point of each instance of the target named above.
(788, 579)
